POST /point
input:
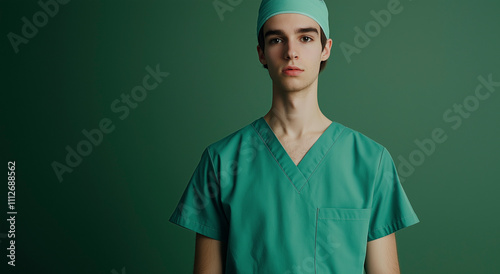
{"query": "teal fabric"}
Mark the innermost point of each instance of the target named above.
(278, 217)
(315, 9)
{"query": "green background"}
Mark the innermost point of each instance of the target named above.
(110, 214)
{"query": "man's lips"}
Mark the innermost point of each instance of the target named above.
(292, 68)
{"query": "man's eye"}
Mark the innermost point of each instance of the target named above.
(274, 40)
(307, 37)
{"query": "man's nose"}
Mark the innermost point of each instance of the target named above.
(291, 50)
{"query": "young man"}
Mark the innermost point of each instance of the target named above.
(294, 192)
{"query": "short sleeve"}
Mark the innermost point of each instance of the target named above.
(200, 208)
(391, 209)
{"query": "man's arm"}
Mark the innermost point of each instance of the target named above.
(209, 256)
(382, 256)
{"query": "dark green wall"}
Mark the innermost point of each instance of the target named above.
(110, 214)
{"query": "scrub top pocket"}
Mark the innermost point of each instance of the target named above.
(341, 239)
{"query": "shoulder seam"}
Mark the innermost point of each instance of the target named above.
(212, 164)
(375, 186)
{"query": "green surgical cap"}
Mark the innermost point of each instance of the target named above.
(315, 9)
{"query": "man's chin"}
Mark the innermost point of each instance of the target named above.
(287, 86)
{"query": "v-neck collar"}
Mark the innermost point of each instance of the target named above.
(298, 174)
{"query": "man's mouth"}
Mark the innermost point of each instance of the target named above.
(292, 70)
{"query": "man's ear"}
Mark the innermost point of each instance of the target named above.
(262, 57)
(325, 54)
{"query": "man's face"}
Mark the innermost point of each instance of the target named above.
(293, 40)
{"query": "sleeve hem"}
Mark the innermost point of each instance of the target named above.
(389, 229)
(197, 227)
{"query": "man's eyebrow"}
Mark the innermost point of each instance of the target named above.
(299, 30)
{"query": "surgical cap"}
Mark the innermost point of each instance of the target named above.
(315, 9)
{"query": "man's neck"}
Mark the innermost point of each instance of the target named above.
(296, 113)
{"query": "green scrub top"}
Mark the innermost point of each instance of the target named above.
(278, 217)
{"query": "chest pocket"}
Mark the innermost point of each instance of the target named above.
(341, 238)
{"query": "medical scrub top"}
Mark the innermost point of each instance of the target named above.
(278, 217)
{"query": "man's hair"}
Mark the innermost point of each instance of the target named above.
(323, 43)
